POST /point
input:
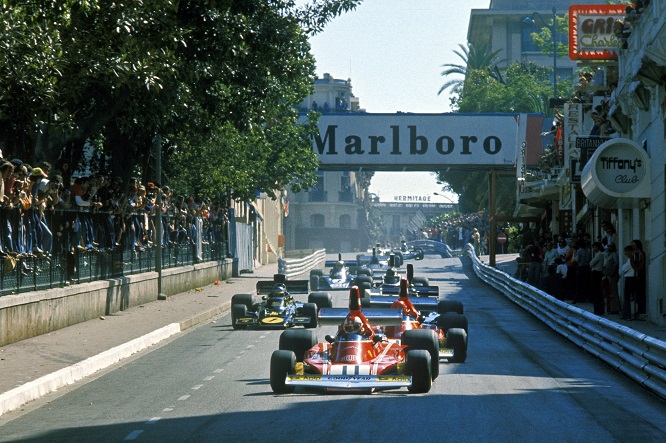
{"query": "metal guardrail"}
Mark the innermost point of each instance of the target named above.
(295, 266)
(639, 356)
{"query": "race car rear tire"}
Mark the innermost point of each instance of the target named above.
(445, 306)
(399, 259)
(310, 310)
(314, 282)
(419, 254)
(419, 365)
(317, 272)
(364, 271)
(452, 320)
(299, 341)
(456, 339)
(321, 299)
(243, 299)
(238, 311)
(425, 339)
(362, 286)
(362, 278)
(421, 281)
(282, 364)
(410, 272)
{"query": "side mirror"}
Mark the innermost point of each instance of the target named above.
(329, 338)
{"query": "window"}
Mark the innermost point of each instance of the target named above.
(317, 221)
(345, 221)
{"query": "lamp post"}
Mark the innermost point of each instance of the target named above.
(442, 195)
(553, 31)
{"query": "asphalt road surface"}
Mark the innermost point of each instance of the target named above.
(521, 383)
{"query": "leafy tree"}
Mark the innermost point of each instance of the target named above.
(474, 58)
(123, 77)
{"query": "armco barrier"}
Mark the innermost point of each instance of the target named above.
(637, 355)
(295, 266)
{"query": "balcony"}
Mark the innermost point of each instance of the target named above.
(345, 197)
(317, 196)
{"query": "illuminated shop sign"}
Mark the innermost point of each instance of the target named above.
(591, 34)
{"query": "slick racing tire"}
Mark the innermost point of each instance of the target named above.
(421, 281)
(282, 364)
(362, 286)
(364, 271)
(243, 299)
(418, 366)
(399, 259)
(456, 339)
(452, 320)
(425, 339)
(445, 306)
(321, 299)
(362, 278)
(310, 310)
(314, 278)
(299, 341)
(238, 311)
(419, 254)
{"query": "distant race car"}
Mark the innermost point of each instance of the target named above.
(445, 317)
(277, 308)
(407, 252)
(418, 286)
(343, 275)
(358, 358)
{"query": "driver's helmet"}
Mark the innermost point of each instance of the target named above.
(390, 278)
(352, 324)
(338, 266)
(279, 290)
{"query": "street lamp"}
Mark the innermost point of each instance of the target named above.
(446, 197)
(529, 21)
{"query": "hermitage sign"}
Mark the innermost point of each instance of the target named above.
(416, 141)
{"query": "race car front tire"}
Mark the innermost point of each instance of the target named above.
(445, 306)
(419, 365)
(456, 339)
(321, 299)
(243, 299)
(310, 310)
(238, 311)
(425, 339)
(419, 254)
(299, 341)
(314, 282)
(282, 364)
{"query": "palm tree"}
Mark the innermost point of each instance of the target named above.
(474, 57)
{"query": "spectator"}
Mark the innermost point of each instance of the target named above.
(611, 278)
(596, 275)
(583, 275)
(630, 283)
(638, 263)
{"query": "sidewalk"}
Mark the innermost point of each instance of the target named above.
(507, 263)
(33, 367)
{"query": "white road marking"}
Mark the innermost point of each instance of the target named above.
(194, 388)
(209, 378)
(132, 435)
(153, 420)
(167, 409)
(217, 371)
(184, 397)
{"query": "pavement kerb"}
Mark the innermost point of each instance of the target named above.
(35, 389)
(204, 316)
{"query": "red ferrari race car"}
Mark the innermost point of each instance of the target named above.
(445, 317)
(358, 358)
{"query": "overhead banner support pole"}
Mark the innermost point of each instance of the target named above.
(492, 202)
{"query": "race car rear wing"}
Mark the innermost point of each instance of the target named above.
(348, 263)
(385, 301)
(422, 291)
(293, 286)
(376, 317)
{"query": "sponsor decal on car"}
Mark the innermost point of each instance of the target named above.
(272, 320)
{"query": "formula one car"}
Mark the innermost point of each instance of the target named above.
(342, 275)
(407, 252)
(277, 308)
(358, 358)
(418, 286)
(445, 317)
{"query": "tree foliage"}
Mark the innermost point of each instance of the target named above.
(208, 82)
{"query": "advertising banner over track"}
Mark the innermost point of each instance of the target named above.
(401, 142)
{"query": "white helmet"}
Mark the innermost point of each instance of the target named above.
(353, 325)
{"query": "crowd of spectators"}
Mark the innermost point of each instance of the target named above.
(46, 213)
(573, 267)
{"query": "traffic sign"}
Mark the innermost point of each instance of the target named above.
(501, 237)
